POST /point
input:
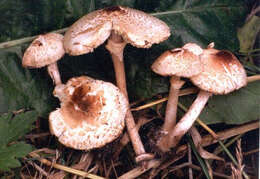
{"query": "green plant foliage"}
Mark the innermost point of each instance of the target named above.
(21, 89)
(11, 129)
(247, 34)
(236, 108)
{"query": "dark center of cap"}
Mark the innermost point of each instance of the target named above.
(113, 9)
(225, 56)
(84, 107)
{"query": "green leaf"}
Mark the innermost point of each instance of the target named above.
(235, 108)
(11, 129)
(247, 34)
(10, 154)
(19, 88)
(26, 18)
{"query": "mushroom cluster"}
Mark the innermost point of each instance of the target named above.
(212, 71)
(92, 113)
(119, 26)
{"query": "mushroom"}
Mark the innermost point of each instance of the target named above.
(45, 50)
(91, 115)
(179, 62)
(221, 75)
(120, 25)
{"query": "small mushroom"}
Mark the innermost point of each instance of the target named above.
(91, 115)
(179, 62)
(120, 25)
(45, 50)
(222, 74)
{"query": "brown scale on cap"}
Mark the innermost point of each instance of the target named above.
(114, 9)
(222, 73)
(83, 107)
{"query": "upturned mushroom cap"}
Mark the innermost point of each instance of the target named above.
(91, 115)
(222, 72)
(136, 27)
(44, 50)
(182, 62)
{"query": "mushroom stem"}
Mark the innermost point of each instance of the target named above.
(115, 46)
(54, 73)
(171, 111)
(171, 108)
(187, 120)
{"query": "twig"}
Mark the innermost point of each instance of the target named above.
(43, 172)
(185, 92)
(220, 149)
(253, 78)
(195, 167)
(186, 164)
(33, 136)
(182, 93)
(190, 162)
(206, 141)
(25, 40)
(251, 152)
(165, 165)
(65, 168)
(253, 12)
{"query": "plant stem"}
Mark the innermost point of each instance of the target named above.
(65, 168)
(25, 40)
(253, 78)
(181, 93)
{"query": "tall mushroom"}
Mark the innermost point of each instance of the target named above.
(222, 74)
(120, 25)
(91, 115)
(179, 62)
(45, 50)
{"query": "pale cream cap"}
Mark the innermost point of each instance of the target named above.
(44, 50)
(136, 27)
(91, 115)
(182, 62)
(222, 74)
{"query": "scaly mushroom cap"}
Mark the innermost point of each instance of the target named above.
(136, 27)
(44, 50)
(222, 72)
(182, 62)
(87, 33)
(91, 115)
